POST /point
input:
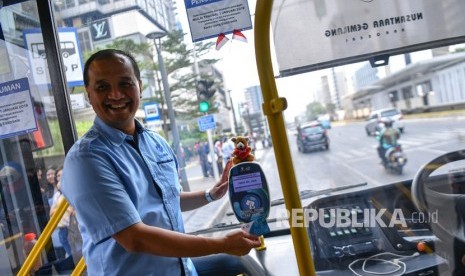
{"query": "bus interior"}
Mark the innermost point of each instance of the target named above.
(341, 211)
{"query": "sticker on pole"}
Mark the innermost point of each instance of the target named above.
(210, 18)
(206, 122)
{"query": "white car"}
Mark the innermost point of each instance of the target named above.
(377, 116)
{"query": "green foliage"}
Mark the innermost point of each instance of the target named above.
(179, 63)
(314, 109)
(330, 108)
(58, 149)
(82, 127)
(183, 90)
(189, 138)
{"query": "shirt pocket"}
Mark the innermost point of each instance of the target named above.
(168, 174)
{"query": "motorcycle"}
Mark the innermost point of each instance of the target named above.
(394, 159)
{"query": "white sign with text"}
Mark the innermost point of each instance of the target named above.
(209, 18)
(70, 52)
(16, 109)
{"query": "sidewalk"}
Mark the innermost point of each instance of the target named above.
(204, 216)
(207, 215)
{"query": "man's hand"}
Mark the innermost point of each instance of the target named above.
(220, 188)
(239, 242)
(193, 200)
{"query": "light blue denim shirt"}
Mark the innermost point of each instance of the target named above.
(112, 186)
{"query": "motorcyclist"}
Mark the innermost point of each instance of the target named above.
(387, 138)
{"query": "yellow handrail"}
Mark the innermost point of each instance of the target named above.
(79, 268)
(273, 106)
(43, 238)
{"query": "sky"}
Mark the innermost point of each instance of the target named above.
(237, 62)
(238, 65)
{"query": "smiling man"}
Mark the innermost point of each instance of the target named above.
(122, 180)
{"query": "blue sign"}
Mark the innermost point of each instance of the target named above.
(206, 122)
(16, 109)
(151, 111)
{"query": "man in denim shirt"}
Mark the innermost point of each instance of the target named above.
(122, 181)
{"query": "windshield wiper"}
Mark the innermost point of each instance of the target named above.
(312, 193)
(216, 227)
(303, 195)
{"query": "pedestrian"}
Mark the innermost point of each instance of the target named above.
(228, 149)
(50, 185)
(17, 214)
(64, 222)
(188, 151)
(202, 152)
(122, 180)
(219, 155)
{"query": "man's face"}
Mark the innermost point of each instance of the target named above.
(114, 92)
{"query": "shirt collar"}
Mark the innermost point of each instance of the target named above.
(114, 135)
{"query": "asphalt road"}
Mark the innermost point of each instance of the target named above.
(352, 157)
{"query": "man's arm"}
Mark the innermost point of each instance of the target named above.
(193, 200)
(142, 238)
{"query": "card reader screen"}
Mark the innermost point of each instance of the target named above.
(247, 182)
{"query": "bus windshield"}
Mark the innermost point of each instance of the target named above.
(349, 136)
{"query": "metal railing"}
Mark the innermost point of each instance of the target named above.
(44, 238)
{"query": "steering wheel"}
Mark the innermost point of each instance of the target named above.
(450, 206)
(448, 200)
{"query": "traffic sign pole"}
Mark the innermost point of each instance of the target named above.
(207, 123)
(212, 155)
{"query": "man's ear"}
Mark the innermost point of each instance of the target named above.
(88, 96)
(140, 89)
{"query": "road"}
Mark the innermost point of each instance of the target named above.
(352, 157)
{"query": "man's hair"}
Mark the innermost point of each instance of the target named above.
(108, 53)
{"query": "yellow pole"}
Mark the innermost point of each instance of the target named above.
(43, 238)
(79, 268)
(273, 107)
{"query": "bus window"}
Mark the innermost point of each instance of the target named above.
(33, 146)
(42, 137)
(381, 192)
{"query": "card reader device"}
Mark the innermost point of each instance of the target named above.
(249, 196)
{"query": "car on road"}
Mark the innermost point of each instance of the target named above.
(312, 136)
(376, 117)
(325, 121)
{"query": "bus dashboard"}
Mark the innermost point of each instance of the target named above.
(359, 231)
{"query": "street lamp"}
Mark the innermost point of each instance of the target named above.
(156, 36)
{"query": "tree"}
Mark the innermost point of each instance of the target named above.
(179, 61)
(330, 108)
(180, 67)
(313, 110)
(145, 60)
